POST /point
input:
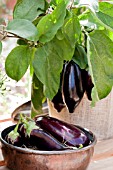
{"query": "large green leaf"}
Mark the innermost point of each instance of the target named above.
(80, 56)
(71, 29)
(105, 14)
(17, 62)
(93, 5)
(49, 24)
(101, 63)
(48, 65)
(27, 9)
(63, 48)
(0, 47)
(36, 96)
(23, 28)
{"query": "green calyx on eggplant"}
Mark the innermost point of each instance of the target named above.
(72, 85)
(64, 132)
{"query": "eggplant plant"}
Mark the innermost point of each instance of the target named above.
(51, 34)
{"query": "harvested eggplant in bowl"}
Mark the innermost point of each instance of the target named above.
(44, 143)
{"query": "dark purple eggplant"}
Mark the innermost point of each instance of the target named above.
(64, 132)
(72, 88)
(88, 84)
(44, 141)
(57, 99)
(14, 137)
(40, 139)
(14, 141)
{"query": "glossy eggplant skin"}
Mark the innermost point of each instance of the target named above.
(72, 85)
(40, 139)
(58, 99)
(44, 141)
(87, 82)
(64, 132)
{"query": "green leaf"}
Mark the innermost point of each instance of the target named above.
(93, 5)
(105, 14)
(100, 64)
(21, 42)
(89, 21)
(0, 47)
(48, 65)
(56, 2)
(17, 62)
(80, 57)
(71, 29)
(49, 24)
(23, 28)
(36, 96)
(63, 48)
(27, 9)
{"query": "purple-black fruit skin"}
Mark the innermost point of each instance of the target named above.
(40, 139)
(44, 141)
(88, 84)
(72, 88)
(64, 132)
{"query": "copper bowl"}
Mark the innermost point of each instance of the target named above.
(17, 158)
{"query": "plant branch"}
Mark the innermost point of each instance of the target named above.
(6, 34)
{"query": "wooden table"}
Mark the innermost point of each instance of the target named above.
(102, 159)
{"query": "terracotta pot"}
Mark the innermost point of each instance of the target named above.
(22, 158)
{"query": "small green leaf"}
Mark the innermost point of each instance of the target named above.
(105, 14)
(21, 42)
(80, 57)
(17, 62)
(71, 29)
(101, 63)
(36, 96)
(89, 21)
(56, 2)
(49, 24)
(0, 47)
(27, 9)
(23, 28)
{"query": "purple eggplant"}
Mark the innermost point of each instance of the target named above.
(57, 99)
(40, 139)
(14, 137)
(64, 132)
(72, 87)
(88, 84)
(44, 141)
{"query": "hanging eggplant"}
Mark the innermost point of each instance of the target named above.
(87, 83)
(72, 85)
(58, 100)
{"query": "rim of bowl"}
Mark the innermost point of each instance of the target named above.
(31, 151)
